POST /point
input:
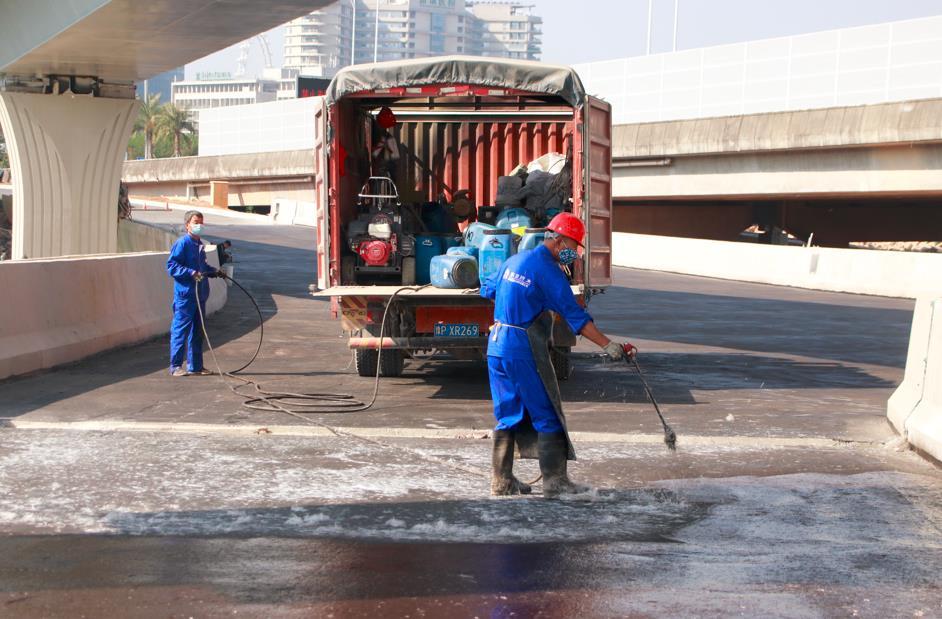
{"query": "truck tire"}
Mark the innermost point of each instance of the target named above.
(408, 271)
(391, 366)
(365, 362)
(392, 363)
(561, 363)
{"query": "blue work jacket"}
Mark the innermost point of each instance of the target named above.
(526, 285)
(186, 256)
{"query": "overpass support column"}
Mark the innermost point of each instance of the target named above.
(66, 153)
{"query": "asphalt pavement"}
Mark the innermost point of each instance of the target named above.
(124, 491)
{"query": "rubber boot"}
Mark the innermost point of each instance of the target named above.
(553, 450)
(503, 482)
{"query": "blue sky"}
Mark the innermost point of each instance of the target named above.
(588, 30)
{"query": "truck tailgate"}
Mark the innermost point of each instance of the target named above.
(387, 291)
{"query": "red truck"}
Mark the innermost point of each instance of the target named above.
(462, 123)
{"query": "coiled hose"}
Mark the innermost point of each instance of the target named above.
(304, 404)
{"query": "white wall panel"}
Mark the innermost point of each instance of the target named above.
(258, 128)
(871, 64)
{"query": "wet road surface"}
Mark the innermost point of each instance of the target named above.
(789, 495)
(189, 525)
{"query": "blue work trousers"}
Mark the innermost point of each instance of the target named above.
(517, 390)
(186, 333)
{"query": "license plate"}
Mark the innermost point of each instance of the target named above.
(452, 330)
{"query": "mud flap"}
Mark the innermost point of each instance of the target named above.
(525, 434)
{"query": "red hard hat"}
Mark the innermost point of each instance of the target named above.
(386, 118)
(569, 225)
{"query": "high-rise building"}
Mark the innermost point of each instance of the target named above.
(319, 43)
(508, 30)
(360, 31)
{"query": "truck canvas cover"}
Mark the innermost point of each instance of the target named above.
(488, 72)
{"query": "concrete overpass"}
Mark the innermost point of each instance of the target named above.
(859, 173)
(67, 103)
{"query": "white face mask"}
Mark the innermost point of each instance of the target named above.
(196, 229)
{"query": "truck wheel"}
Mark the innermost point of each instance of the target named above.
(391, 363)
(561, 363)
(408, 271)
(365, 362)
(348, 275)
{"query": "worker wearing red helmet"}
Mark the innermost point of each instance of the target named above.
(523, 384)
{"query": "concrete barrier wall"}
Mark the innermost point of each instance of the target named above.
(883, 273)
(134, 236)
(915, 408)
(296, 212)
(64, 309)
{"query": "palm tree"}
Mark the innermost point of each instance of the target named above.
(147, 122)
(174, 122)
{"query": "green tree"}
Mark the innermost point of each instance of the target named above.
(174, 123)
(4, 157)
(192, 146)
(147, 121)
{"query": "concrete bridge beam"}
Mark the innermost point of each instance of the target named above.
(66, 153)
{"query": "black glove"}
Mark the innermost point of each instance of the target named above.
(213, 274)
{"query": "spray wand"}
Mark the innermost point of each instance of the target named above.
(670, 437)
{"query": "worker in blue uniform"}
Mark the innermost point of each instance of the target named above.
(523, 384)
(187, 266)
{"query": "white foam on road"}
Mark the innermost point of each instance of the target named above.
(164, 484)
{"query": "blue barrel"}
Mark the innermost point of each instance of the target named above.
(451, 240)
(511, 218)
(474, 234)
(454, 271)
(496, 248)
(532, 237)
(463, 250)
(437, 219)
(552, 212)
(426, 248)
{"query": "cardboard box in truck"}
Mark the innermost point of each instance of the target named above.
(383, 191)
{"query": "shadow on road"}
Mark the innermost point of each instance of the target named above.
(846, 333)
(672, 376)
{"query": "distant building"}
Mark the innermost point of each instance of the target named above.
(160, 85)
(212, 90)
(287, 81)
(361, 31)
(319, 43)
(507, 30)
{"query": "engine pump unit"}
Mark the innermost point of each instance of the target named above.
(382, 249)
